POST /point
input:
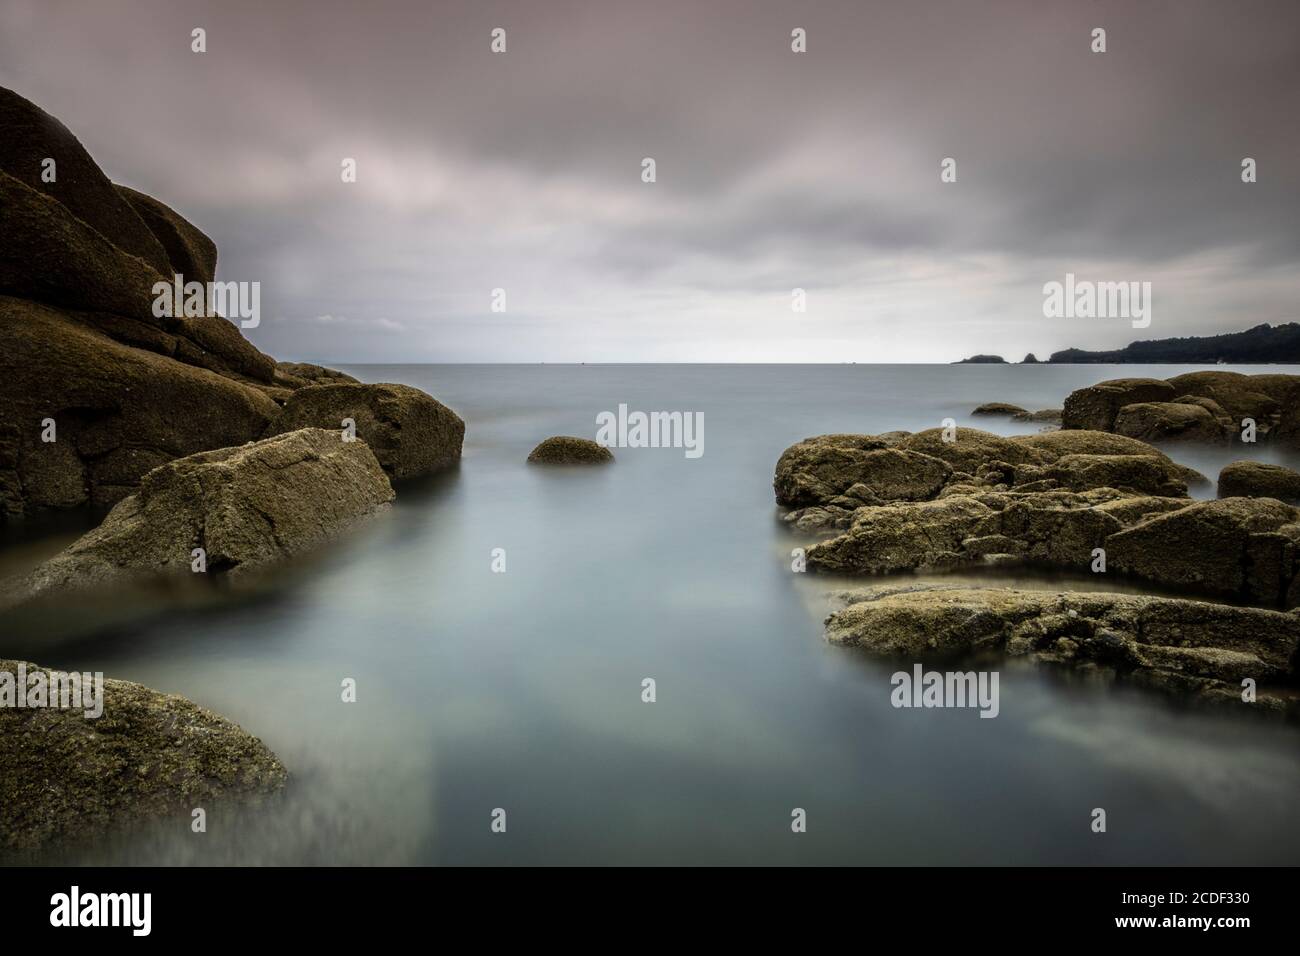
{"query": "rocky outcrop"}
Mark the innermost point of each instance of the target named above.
(1066, 499)
(567, 450)
(411, 433)
(1209, 406)
(64, 775)
(1173, 421)
(1195, 649)
(1096, 407)
(1256, 479)
(120, 389)
(247, 507)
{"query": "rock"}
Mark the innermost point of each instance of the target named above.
(1029, 359)
(1095, 408)
(1049, 446)
(998, 408)
(970, 448)
(66, 776)
(51, 256)
(817, 469)
(1171, 421)
(410, 432)
(893, 538)
(301, 374)
(983, 360)
(1136, 474)
(1050, 416)
(190, 253)
(1256, 479)
(118, 411)
(1240, 548)
(567, 450)
(31, 136)
(1177, 645)
(1240, 396)
(247, 507)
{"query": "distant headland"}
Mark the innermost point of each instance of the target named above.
(1263, 344)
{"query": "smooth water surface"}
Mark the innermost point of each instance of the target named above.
(522, 690)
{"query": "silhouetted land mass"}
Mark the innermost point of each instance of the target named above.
(1263, 343)
(983, 360)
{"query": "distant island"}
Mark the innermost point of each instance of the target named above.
(1264, 344)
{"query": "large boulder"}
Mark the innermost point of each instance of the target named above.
(410, 432)
(301, 374)
(1240, 548)
(1173, 421)
(117, 411)
(1240, 396)
(247, 507)
(64, 775)
(1188, 647)
(1096, 407)
(1257, 479)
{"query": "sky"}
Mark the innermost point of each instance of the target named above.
(774, 170)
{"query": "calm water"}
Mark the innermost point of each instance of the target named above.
(522, 690)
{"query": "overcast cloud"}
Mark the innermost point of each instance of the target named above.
(775, 170)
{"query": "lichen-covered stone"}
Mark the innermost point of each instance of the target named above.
(64, 775)
(410, 432)
(567, 450)
(1257, 479)
(246, 507)
(1186, 647)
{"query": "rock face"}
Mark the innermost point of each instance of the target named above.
(567, 450)
(1255, 479)
(117, 411)
(247, 507)
(63, 775)
(410, 432)
(1188, 647)
(123, 389)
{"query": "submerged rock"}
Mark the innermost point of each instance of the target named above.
(998, 408)
(246, 507)
(410, 432)
(66, 775)
(1256, 479)
(1047, 416)
(1188, 647)
(567, 450)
